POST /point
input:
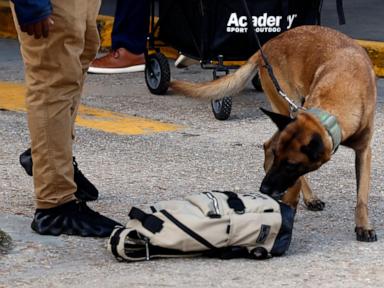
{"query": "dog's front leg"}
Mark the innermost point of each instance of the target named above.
(364, 231)
(312, 202)
(292, 196)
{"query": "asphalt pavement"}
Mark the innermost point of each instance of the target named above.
(201, 155)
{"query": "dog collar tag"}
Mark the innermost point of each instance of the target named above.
(330, 123)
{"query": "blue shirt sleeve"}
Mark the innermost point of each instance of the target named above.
(32, 11)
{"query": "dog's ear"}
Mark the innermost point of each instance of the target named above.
(280, 120)
(315, 149)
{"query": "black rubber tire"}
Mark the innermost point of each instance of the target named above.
(222, 108)
(257, 84)
(157, 74)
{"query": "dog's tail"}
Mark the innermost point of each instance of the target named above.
(229, 85)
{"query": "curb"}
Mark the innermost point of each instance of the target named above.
(104, 25)
(375, 49)
(7, 27)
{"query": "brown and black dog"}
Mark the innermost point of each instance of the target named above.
(332, 77)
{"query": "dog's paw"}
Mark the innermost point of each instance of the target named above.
(365, 235)
(315, 205)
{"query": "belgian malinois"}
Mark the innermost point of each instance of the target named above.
(332, 77)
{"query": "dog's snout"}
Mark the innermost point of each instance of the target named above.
(265, 189)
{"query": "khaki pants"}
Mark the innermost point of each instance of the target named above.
(55, 69)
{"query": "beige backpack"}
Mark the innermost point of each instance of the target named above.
(215, 224)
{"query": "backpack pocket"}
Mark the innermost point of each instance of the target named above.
(208, 203)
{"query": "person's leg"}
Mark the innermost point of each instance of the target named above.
(129, 37)
(54, 77)
(86, 191)
(91, 47)
(131, 24)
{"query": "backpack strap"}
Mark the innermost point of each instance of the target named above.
(114, 241)
(234, 201)
(149, 221)
(187, 230)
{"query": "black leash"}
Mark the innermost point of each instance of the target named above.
(340, 11)
(293, 107)
(251, 31)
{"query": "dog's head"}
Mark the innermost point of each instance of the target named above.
(298, 147)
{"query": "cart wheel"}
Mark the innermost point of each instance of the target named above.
(256, 83)
(222, 108)
(157, 74)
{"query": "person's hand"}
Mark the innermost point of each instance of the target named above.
(38, 29)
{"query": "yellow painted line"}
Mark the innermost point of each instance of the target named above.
(12, 98)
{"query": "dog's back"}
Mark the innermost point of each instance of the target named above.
(316, 66)
(302, 55)
(324, 68)
(307, 53)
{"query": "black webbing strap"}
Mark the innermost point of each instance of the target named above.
(251, 31)
(149, 221)
(230, 252)
(253, 34)
(191, 233)
(340, 11)
(234, 201)
(115, 241)
(319, 7)
(284, 13)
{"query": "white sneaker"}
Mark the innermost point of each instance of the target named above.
(100, 70)
(183, 61)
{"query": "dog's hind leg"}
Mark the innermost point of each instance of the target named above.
(364, 231)
(312, 202)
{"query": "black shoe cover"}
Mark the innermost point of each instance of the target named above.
(26, 161)
(86, 191)
(72, 218)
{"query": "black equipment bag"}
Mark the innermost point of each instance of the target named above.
(204, 29)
